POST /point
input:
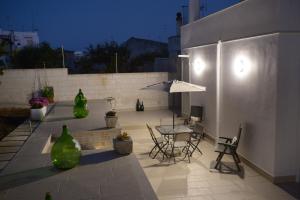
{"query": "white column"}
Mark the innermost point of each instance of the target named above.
(218, 70)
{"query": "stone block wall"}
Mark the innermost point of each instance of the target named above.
(17, 86)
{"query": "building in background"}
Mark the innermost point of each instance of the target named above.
(17, 40)
(139, 46)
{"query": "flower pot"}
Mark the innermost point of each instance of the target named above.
(111, 121)
(122, 147)
(50, 99)
(37, 114)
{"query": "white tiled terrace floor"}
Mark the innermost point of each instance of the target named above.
(193, 181)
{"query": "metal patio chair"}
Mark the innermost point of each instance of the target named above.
(196, 137)
(228, 146)
(182, 141)
(159, 144)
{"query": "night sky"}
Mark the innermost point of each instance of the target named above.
(78, 23)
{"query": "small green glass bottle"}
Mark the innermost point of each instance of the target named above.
(80, 109)
(48, 196)
(66, 151)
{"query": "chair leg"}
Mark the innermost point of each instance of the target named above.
(195, 147)
(236, 162)
(152, 150)
(188, 152)
(172, 154)
(159, 150)
(237, 157)
(164, 151)
(219, 160)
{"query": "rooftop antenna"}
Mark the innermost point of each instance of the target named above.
(63, 56)
(203, 9)
(183, 7)
(32, 21)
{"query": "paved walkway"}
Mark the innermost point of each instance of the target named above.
(193, 181)
(101, 174)
(12, 143)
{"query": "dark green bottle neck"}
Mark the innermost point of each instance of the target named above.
(65, 130)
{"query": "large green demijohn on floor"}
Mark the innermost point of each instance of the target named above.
(80, 108)
(66, 151)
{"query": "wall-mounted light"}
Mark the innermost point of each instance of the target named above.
(198, 65)
(241, 66)
(183, 56)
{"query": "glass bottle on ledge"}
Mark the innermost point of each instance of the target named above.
(80, 109)
(66, 151)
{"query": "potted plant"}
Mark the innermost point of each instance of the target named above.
(111, 119)
(38, 108)
(122, 144)
(48, 92)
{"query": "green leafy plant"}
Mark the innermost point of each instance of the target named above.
(48, 92)
(123, 136)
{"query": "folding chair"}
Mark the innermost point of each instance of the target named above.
(182, 140)
(228, 146)
(159, 144)
(197, 135)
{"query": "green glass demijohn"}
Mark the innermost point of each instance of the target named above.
(66, 151)
(80, 109)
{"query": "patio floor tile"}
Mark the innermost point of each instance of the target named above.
(194, 181)
(6, 156)
(15, 138)
(10, 143)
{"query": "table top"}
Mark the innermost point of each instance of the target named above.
(168, 129)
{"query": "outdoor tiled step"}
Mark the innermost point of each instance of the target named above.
(11, 143)
(9, 149)
(6, 156)
(16, 133)
(3, 164)
(15, 138)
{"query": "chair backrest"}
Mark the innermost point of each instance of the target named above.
(197, 111)
(198, 130)
(239, 135)
(152, 134)
(182, 137)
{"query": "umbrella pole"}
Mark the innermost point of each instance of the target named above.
(173, 109)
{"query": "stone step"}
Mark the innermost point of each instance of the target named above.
(16, 133)
(15, 138)
(9, 149)
(3, 164)
(11, 143)
(6, 156)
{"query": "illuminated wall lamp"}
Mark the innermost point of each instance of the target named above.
(199, 66)
(241, 66)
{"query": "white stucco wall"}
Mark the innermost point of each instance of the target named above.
(18, 85)
(287, 159)
(250, 97)
(246, 19)
(207, 78)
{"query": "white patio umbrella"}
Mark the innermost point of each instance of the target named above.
(175, 86)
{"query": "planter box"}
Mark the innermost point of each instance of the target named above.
(111, 122)
(123, 147)
(38, 114)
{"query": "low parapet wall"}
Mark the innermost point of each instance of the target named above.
(17, 86)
